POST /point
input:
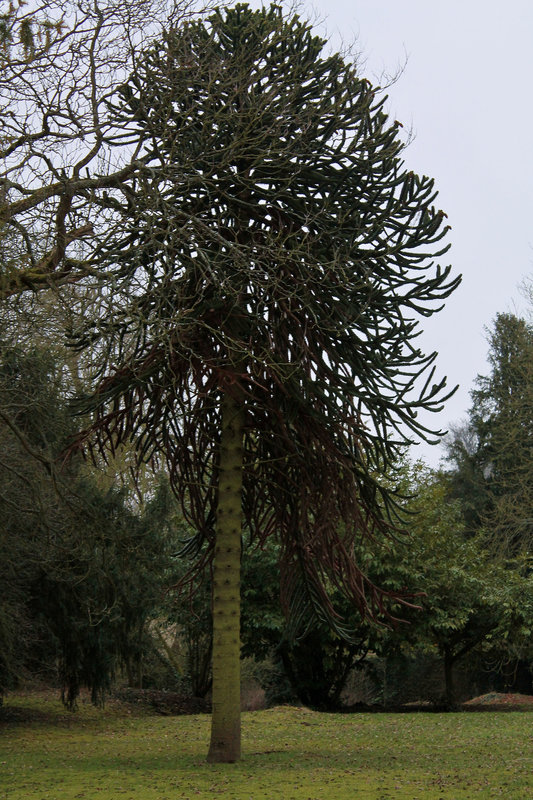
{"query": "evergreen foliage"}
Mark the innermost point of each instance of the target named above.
(82, 573)
(276, 251)
(269, 265)
(493, 475)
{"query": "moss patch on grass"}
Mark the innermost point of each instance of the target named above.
(291, 753)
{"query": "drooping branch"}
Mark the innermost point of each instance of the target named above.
(276, 227)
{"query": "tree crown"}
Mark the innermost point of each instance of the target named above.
(276, 249)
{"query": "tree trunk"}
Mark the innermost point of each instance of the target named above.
(226, 717)
(449, 660)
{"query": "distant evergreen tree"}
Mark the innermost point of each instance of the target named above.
(81, 573)
(493, 455)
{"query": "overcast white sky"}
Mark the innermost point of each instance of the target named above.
(467, 91)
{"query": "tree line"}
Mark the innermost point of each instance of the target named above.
(90, 566)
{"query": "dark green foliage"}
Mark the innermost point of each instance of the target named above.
(318, 666)
(262, 622)
(313, 669)
(187, 618)
(312, 664)
(493, 475)
(185, 640)
(98, 604)
(30, 398)
(275, 248)
(469, 602)
(81, 573)
(467, 480)
(198, 635)
(30, 429)
(502, 415)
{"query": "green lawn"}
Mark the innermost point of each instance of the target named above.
(289, 753)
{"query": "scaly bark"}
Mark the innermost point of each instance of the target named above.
(226, 717)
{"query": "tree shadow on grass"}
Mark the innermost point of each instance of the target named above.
(15, 715)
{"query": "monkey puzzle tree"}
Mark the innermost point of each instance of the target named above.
(258, 332)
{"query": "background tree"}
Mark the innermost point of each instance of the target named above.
(82, 574)
(59, 62)
(267, 274)
(503, 416)
(474, 614)
(493, 476)
(469, 602)
(467, 481)
(312, 668)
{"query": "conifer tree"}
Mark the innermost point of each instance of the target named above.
(502, 416)
(268, 275)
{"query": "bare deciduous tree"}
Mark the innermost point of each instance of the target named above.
(59, 65)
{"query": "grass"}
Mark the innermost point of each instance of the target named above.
(291, 753)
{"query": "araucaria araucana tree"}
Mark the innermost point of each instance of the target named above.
(273, 260)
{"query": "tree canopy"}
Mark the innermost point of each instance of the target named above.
(276, 250)
(471, 602)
